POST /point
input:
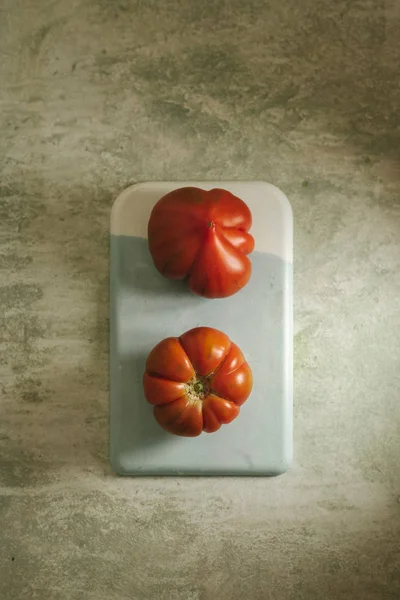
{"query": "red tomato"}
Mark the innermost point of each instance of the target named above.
(202, 236)
(196, 382)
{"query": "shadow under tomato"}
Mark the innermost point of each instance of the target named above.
(139, 273)
(133, 426)
(147, 279)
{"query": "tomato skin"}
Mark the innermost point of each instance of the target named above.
(196, 382)
(202, 236)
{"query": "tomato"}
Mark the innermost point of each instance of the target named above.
(202, 236)
(196, 382)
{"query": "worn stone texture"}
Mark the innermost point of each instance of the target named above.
(97, 94)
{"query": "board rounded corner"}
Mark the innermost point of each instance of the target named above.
(120, 201)
(117, 463)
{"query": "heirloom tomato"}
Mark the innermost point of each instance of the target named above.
(202, 236)
(196, 382)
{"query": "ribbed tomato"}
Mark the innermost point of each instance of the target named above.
(202, 236)
(196, 382)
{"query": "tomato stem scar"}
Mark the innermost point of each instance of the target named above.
(198, 388)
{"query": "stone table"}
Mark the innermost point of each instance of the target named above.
(96, 95)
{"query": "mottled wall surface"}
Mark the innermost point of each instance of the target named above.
(98, 94)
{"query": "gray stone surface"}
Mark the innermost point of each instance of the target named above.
(98, 94)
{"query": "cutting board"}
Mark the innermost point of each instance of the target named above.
(145, 308)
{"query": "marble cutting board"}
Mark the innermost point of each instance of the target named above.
(145, 307)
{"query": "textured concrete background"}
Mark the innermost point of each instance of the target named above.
(97, 94)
